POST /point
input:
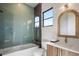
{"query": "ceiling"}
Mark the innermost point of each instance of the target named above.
(32, 4)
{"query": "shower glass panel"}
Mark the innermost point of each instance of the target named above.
(16, 25)
(6, 34)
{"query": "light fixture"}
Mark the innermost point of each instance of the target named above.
(66, 6)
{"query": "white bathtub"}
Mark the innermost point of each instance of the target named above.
(16, 48)
(32, 51)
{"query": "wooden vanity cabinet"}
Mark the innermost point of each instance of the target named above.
(68, 53)
(54, 51)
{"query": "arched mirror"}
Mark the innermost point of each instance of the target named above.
(68, 22)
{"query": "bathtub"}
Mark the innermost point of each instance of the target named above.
(16, 50)
(33, 50)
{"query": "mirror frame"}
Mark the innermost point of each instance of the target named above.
(76, 26)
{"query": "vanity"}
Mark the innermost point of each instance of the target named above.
(63, 49)
(68, 28)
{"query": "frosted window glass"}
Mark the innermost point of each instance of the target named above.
(36, 19)
(48, 22)
(37, 24)
(48, 14)
(48, 17)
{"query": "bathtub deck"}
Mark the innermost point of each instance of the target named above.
(34, 51)
(16, 48)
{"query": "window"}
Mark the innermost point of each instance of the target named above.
(36, 21)
(48, 17)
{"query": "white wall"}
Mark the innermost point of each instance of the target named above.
(50, 33)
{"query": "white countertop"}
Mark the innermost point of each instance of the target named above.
(72, 46)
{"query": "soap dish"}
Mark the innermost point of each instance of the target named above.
(55, 41)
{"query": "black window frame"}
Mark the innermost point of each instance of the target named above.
(47, 18)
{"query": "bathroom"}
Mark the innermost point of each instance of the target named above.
(30, 27)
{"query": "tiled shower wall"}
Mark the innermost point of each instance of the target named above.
(16, 25)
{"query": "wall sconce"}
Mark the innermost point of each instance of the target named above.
(66, 6)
